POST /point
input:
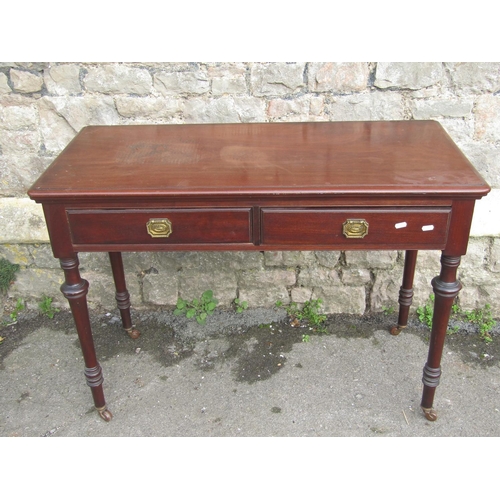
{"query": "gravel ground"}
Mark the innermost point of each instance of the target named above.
(248, 374)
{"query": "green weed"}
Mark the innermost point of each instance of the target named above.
(426, 312)
(388, 310)
(47, 308)
(199, 309)
(7, 274)
(481, 317)
(17, 309)
(240, 305)
(310, 313)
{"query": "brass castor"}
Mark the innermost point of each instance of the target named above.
(396, 330)
(105, 414)
(430, 413)
(133, 333)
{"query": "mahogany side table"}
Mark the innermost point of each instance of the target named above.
(394, 185)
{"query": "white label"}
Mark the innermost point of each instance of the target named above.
(428, 228)
(399, 225)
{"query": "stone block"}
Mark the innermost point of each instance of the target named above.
(234, 85)
(356, 277)
(341, 299)
(226, 109)
(276, 79)
(290, 109)
(102, 290)
(228, 78)
(429, 259)
(54, 127)
(209, 261)
(160, 289)
(264, 288)
(62, 117)
(385, 290)
(475, 77)
(4, 84)
(273, 258)
(317, 107)
(25, 81)
(473, 297)
(290, 258)
(459, 129)
(486, 220)
(140, 263)
(486, 159)
(257, 278)
(20, 142)
(478, 251)
(436, 108)
(373, 106)
(477, 277)
(422, 288)
(96, 262)
(181, 82)
(19, 172)
(43, 257)
(301, 295)
(494, 258)
(192, 283)
(63, 79)
(338, 77)
(264, 295)
(303, 108)
(22, 221)
(386, 286)
(408, 75)
(487, 118)
(245, 260)
(18, 117)
(16, 254)
(148, 108)
(318, 276)
(329, 259)
(33, 283)
(118, 79)
(377, 259)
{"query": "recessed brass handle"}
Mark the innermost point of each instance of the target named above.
(355, 228)
(159, 228)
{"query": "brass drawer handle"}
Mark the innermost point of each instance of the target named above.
(159, 228)
(355, 228)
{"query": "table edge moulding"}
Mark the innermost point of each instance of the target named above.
(388, 185)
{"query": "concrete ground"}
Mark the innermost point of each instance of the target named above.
(248, 374)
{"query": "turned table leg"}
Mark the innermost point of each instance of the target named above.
(406, 291)
(122, 295)
(446, 288)
(75, 290)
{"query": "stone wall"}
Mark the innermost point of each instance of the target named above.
(43, 106)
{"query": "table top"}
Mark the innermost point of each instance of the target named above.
(325, 158)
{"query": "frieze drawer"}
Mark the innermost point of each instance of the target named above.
(400, 227)
(163, 226)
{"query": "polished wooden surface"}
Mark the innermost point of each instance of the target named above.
(401, 185)
(407, 157)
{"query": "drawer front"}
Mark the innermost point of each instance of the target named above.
(169, 227)
(377, 227)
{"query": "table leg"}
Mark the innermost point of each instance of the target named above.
(75, 290)
(122, 295)
(446, 288)
(406, 291)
